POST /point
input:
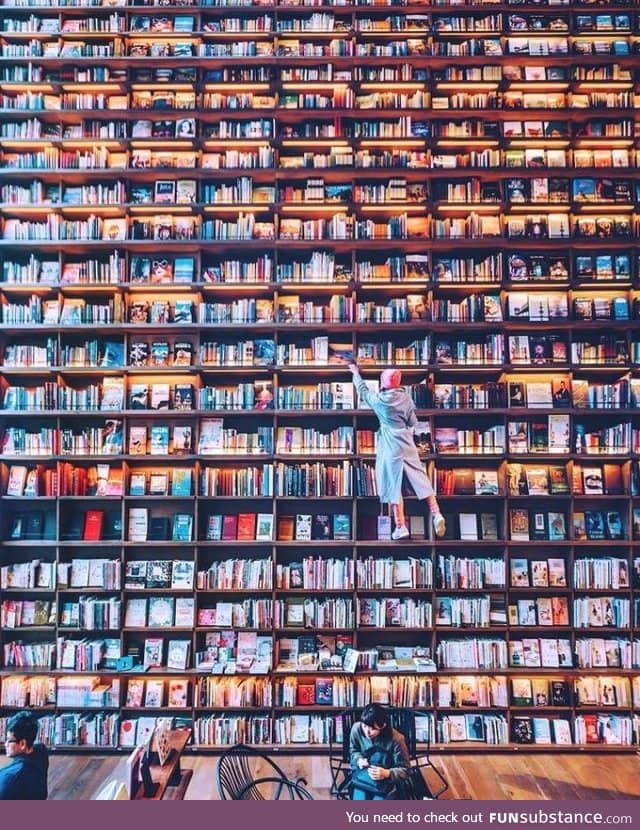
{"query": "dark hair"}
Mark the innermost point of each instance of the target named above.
(23, 726)
(374, 715)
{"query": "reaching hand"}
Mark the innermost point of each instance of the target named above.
(353, 368)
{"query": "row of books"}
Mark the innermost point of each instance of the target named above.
(339, 226)
(521, 266)
(270, 157)
(143, 525)
(328, 573)
(351, 126)
(344, 43)
(288, 18)
(467, 691)
(218, 650)
(530, 525)
(537, 190)
(318, 478)
(318, 350)
(113, 394)
(561, 75)
(98, 730)
(336, 309)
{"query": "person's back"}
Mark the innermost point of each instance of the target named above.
(25, 777)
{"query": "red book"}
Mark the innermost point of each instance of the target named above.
(246, 527)
(560, 610)
(591, 728)
(305, 694)
(285, 528)
(93, 525)
(613, 485)
(229, 527)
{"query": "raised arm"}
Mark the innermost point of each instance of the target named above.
(364, 392)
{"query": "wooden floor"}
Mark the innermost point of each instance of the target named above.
(495, 776)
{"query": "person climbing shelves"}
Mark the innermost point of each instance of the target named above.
(396, 453)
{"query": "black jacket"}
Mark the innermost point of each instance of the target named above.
(25, 777)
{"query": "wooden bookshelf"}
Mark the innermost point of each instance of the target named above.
(203, 206)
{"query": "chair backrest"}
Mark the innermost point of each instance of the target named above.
(239, 767)
(400, 718)
(404, 720)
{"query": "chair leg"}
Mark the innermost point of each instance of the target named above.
(443, 784)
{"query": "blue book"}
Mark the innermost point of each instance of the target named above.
(181, 482)
(341, 526)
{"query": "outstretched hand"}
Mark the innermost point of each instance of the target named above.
(353, 367)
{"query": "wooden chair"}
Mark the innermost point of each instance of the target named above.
(246, 774)
(404, 721)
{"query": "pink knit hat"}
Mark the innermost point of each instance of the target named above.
(390, 379)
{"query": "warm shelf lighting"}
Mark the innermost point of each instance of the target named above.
(467, 142)
(336, 207)
(161, 143)
(313, 85)
(314, 142)
(98, 210)
(469, 87)
(234, 85)
(548, 207)
(236, 208)
(393, 85)
(469, 207)
(548, 86)
(397, 142)
(386, 206)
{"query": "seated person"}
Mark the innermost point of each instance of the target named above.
(25, 777)
(379, 756)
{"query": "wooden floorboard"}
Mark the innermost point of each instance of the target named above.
(553, 777)
(511, 776)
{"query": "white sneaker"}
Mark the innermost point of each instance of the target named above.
(439, 525)
(401, 532)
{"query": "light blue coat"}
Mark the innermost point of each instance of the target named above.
(396, 453)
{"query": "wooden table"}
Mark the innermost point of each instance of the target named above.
(171, 781)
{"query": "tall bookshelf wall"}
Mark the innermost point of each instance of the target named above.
(202, 205)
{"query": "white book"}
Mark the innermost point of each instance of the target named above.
(128, 730)
(184, 612)
(541, 731)
(138, 524)
(303, 527)
(539, 395)
(549, 653)
(518, 305)
(136, 613)
(561, 731)
(264, 527)
(210, 440)
(559, 434)
(182, 573)
(468, 526)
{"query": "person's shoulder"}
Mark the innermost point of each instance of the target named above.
(8, 780)
(398, 736)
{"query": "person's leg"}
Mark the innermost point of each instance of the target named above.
(421, 485)
(397, 511)
(432, 504)
(439, 524)
(401, 531)
(360, 795)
